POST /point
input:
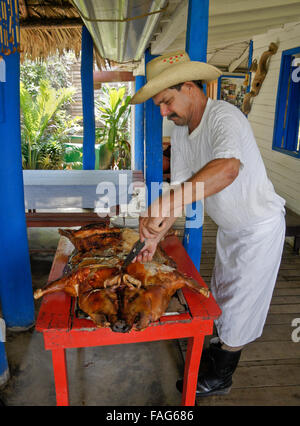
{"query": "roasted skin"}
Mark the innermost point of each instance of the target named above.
(112, 297)
(146, 304)
(93, 236)
(95, 287)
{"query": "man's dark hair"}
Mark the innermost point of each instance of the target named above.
(198, 83)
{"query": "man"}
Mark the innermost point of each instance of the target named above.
(213, 143)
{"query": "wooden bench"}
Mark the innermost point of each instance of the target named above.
(62, 329)
(293, 227)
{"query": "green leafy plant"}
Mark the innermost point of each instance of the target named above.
(40, 126)
(56, 69)
(112, 108)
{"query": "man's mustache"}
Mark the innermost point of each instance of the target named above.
(173, 115)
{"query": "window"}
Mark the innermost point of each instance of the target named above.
(286, 136)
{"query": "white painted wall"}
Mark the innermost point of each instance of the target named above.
(283, 170)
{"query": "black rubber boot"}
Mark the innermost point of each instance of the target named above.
(217, 380)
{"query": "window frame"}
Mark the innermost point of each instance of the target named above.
(284, 110)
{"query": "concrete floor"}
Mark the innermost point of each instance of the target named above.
(142, 374)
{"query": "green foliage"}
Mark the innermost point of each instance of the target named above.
(113, 109)
(46, 94)
(56, 70)
(41, 127)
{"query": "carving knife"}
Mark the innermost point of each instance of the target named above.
(137, 247)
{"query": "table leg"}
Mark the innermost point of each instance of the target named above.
(60, 376)
(192, 362)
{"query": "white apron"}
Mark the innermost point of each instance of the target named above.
(249, 213)
(244, 277)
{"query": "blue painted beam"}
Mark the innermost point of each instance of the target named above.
(16, 295)
(197, 30)
(219, 88)
(154, 147)
(249, 64)
(87, 86)
(196, 47)
(139, 127)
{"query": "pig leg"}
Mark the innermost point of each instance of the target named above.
(57, 285)
(194, 285)
(69, 284)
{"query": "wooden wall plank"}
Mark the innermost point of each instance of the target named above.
(283, 170)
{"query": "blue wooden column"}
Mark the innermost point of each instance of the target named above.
(139, 128)
(196, 47)
(16, 293)
(154, 147)
(249, 64)
(4, 370)
(87, 87)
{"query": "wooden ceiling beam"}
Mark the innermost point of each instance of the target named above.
(51, 23)
(212, 44)
(254, 15)
(112, 76)
(237, 62)
(253, 25)
(221, 7)
(227, 31)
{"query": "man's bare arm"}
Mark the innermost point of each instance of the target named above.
(216, 175)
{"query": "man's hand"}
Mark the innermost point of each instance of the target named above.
(153, 234)
(148, 250)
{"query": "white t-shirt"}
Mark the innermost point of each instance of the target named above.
(224, 132)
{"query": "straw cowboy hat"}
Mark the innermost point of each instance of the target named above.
(170, 69)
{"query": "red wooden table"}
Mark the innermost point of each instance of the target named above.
(62, 329)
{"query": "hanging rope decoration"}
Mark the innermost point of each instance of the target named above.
(9, 27)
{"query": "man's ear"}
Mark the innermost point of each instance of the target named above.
(188, 85)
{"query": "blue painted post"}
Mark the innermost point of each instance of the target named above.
(4, 370)
(154, 147)
(16, 294)
(197, 30)
(139, 128)
(87, 87)
(219, 87)
(249, 64)
(196, 47)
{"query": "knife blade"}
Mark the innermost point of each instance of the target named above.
(137, 247)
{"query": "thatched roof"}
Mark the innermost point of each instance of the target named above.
(48, 26)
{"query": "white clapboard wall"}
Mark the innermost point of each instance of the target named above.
(283, 170)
